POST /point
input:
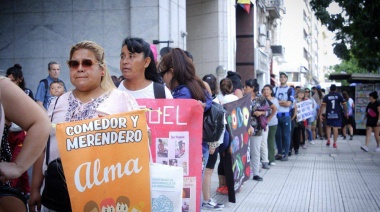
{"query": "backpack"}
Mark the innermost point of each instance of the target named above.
(213, 122)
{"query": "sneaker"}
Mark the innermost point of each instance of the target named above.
(272, 163)
(219, 205)
(334, 145)
(344, 137)
(364, 148)
(304, 146)
(296, 152)
(278, 157)
(377, 149)
(351, 137)
(209, 206)
(222, 190)
(328, 143)
(284, 159)
(266, 166)
(257, 178)
(312, 142)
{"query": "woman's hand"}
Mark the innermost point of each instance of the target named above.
(258, 113)
(34, 201)
(211, 150)
(250, 131)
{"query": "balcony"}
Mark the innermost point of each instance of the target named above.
(273, 7)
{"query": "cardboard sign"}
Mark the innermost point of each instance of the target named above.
(106, 162)
(304, 110)
(176, 130)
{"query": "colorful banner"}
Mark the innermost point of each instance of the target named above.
(304, 110)
(106, 162)
(176, 130)
(239, 113)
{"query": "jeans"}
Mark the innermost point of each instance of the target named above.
(283, 135)
(271, 140)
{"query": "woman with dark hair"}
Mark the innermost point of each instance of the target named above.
(298, 136)
(236, 82)
(178, 73)
(16, 135)
(141, 78)
(211, 81)
(348, 119)
(321, 125)
(373, 121)
(272, 123)
(15, 75)
(260, 107)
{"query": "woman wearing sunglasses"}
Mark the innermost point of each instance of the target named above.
(94, 95)
(141, 78)
(178, 73)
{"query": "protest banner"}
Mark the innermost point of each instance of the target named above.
(106, 162)
(304, 110)
(238, 119)
(176, 131)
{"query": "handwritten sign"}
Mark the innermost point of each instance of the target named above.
(304, 110)
(106, 162)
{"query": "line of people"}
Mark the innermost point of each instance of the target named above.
(175, 77)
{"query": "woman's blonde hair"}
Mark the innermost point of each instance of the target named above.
(106, 82)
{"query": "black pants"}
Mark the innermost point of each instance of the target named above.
(298, 136)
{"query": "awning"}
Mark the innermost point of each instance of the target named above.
(363, 78)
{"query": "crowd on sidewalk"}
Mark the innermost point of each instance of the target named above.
(277, 128)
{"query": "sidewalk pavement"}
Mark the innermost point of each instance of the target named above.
(320, 178)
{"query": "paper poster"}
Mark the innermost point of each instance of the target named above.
(189, 194)
(106, 162)
(238, 118)
(304, 110)
(176, 129)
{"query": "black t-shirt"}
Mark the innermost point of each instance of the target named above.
(372, 113)
(333, 108)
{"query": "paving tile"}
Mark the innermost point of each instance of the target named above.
(320, 178)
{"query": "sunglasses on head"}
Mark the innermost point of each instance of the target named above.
(86, 63)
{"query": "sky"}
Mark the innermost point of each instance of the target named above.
(332, 58)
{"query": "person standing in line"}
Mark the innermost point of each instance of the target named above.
(141, 78)
(17, 135)
(311, 122)
(373, 121)
(226, 96)
(299, 130)
(260, 107)
(285, 96)
(348, 120)
(321, 126)
(179, 74)
(272, 123)
(236, 82)
(208, 202)
(43, 95)
(332, 102)
(17, 107)
(94, 95)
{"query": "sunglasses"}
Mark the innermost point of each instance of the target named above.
(163, 72)
(307, 91)
(86, 63)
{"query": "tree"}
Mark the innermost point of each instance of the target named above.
(349, 67)
(357, 30)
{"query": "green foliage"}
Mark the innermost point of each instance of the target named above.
(357, 30)
(350, 67)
